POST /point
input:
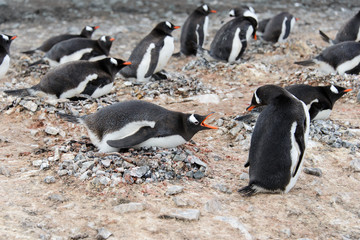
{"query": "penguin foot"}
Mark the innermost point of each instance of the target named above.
(247, 191)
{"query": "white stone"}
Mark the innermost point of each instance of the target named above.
(172, 190)
(52, 130)
(129, 207)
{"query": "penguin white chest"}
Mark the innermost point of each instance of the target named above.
(4, 66)
(206, 26)
(144, 65)
(75, 56)
(283, 30)
(165, 53)
(165, 142)
(348, 65)
(236, 46)
(80, 88)
(358, 35)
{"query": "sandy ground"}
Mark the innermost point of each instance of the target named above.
(326, 207)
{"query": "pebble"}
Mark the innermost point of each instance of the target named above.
(4, 171)
(172, 190)
(199, 175)
(45, 165)
(213, 206)
(56, 198)
(52, 130)
(106, 163)
(180, 202)
(182, 214)
(313, 171)
(355, 165)
(37, 163)
(129, 207)
(222, 188)
(63, 172)
(139, 171)
(29, 105)
(244, 176)
(49, 179)
(235, 223)
(103, 233)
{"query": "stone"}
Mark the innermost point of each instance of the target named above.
(244, 176)
(4, 171)
(37, 163)
(183, 214)
(138, 171)
(222, 188)
(106, 163)
(49, 179)
(104, 180)
(103, 233)
(213, 206)
(52, 130)
(129, 207)
(85, 175)
(29, 105)
(235, 223)
(199, 175)
(62, 172)
(180, 157)
(355, 165)
(313, 171)
(172, 190)
(45, 165)
(180, 202)
(56, 198)
(196, 160)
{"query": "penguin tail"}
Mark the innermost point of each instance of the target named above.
(306, 63)
(18, 92)
(41, 61)
(247, 191)
(325, 37)
(70, 118)
(29, 52)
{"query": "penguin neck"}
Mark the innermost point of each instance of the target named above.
(158, 32)
(104, 46)
(108, 67)
(85, 34)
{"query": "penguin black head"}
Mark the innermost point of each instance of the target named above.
(5, 41)
(113, 65)
(195, 123)
(166, 27)
(88, 31)
(265, 95)
(335, 92)
(243, 11)
(105, 42)
(204, 10)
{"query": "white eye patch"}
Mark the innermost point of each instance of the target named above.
(232, 13)
(168, 24)
(5, 37)
(258, 101)
(193, 119)
(252, 9)
(89, 29)
(103, 38)
(334, 89)
(205, 7)
(113, 61)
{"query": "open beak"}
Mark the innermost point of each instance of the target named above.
(208, 126)
(348, 90)
(112, 39)
(213, 11)
(251, 107)
(176, 27)
(96, 27)
(127, 63)
(13, 37)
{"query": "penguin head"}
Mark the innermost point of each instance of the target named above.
(5, 41)
(105, 43)
(88, 31)
(195, 123)
(204, 10)
(113, 65)
(166, 27)
(243, 11)
(265, 95)
(335, 92)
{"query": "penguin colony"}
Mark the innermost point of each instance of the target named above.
(82, 66)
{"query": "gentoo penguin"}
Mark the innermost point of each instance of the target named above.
(139, 124)
(49, 43)
(341, 58)
(195, 30)
(279, 27)
(5, 42)
(262, 25)
(278, 142)
(319, 100)
(71, 79)
(243, 11)
(350, 31)
(152, 53)
(231, 39)
(77, 49)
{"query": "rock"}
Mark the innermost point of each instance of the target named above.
(129, 207)
(85, 175)
(63, 172)
(196, 160)
(222, 188)
(37, 163)
(106, 163)
(244, 176)
(103, 233)
(56, 198)
(180, 202)
(52, 130)
(313, 171)
(199, 175)
(29, 105)
(104, 180)
(172, 190)
(49, 179)
(182, 214)
(139, 171)
(4, 171)
(355, 165)
(235, 223)
(180, 157)
(213, 206)
(45, 165)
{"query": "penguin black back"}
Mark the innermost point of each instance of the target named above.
(279, 27)
(194, 30)
(5, 42)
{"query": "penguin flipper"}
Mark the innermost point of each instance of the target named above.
(29, 51)
(41, 61)
(69, 117)
(325, 37)
(247, 191)
(306, 63)
(140, 136)
(299, 138)
(247, 164)
(18, 92)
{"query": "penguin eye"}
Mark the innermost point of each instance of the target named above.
(193, 119)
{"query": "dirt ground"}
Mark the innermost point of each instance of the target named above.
(326, 207)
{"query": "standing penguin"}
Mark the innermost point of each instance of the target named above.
(71, 79)
(152, 53)
(139, 124)
(319, 100)
(49, 43)
(341, 58)
(231, 40)
(195, 30)
(5, 42)
(278, 141)
(350, 31)
(77, 49)
(279, 27)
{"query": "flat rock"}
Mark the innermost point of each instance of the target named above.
(49, 179)
(52, 130)
(313, 171)
(172, 190)
(222, 188)
(56, 198)
(182, 214)
(103, 233)
(138, 171)
(235, 223)
(355, 165)
(4, 171)
(180, 202)
(129, 207)
(29, 105)
(213, 206)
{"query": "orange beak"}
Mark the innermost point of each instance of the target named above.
(127, 63)
(96, 27)
(208, 126)
(12, 38)
(297, 19)
(213, 11)
(251, 107)
(348, 90)
(112, 39)
(255, 37)
(176, 27)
